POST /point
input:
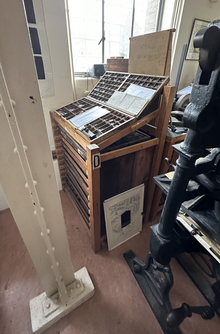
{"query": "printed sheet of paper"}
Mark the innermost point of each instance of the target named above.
(88, 116)
(136, 105)
(116, 98)
(140, 91)
(123, 216)
(127, 102)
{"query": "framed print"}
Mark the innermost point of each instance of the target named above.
(193, 53)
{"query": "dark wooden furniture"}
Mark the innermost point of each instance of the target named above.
(117, 64)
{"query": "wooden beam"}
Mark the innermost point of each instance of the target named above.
(144, 120)
(150, 129)
(69, 128)
(58, 148)
(73, 162)
(173, 140)
(94, 194)
(158, 192)
(163, 121)
(128, 130)
(168, 56)
(114, 138)
(129, 149)
(164, 168)
(69, 193)
(75, 156)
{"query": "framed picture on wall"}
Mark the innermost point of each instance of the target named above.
(193, 53)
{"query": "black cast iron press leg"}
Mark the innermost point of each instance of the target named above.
(163, 243)
(202, 118)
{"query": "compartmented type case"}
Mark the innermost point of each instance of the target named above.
(101, 130)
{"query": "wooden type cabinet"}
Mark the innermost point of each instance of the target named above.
(96, 165)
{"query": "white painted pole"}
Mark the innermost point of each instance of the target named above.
(30, 184)
(27, 175)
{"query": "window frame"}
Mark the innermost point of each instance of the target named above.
(103, 38)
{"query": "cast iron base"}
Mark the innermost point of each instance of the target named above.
(202, 281)
(156, 282)
(145, 284)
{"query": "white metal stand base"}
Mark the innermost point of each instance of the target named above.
(46, 311)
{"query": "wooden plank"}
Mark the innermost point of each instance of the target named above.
(142, 166)
(144, 120)
(148, 53)
(116, 177)
(70, 150)
(61, 157)
(54, 154)
(62, 167)
(123, 127)
(73, 200)
(77, 177)
(163, 120)
(167, 153)
(117, 64)
(57, 137)
(80, 201)
(74, 152)
(63, 173)
(94, 193)
(141, 171)
(76, 183)
(59, 148)
(173, 140)
(73, 162)
(129, 149)
(114, 138)
(56, 131)
(58, 144)
(126, 131)
(150, 129)
(69, 128)
(59, 151)
(168, 57)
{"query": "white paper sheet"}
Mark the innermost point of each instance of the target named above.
(116, 98)
(127, 102)
(88, 116)
(115, 207)
(140, 91)
(137, 105)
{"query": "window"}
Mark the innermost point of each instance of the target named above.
(85, 18)
(118, 17)
(145, 19)
(86, 27)
(29, 8)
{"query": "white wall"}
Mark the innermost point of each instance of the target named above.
(51, 24)
(200, 9)
(3, 201)
(56, 90)
(167, 14)
(83, 85)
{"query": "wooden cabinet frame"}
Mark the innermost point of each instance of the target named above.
(161, 117)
